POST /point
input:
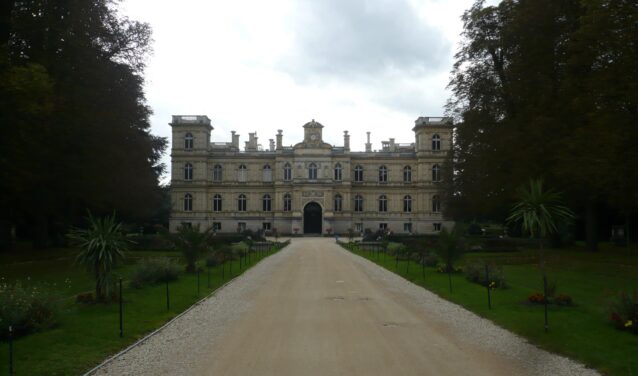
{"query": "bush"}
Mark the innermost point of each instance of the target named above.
(624, 311)
(85, 298)
(212, 260)
(475, 272)
(396, 249)
(431, 260)
(152, 271)
(563, 300)
(26, 309)
(536, 298)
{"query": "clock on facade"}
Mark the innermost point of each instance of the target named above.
(313, 137)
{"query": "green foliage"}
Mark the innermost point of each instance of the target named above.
(540, 211)
(151, 271)
(451, 246)
(624, 311)
(475, 272)
(26, 309)
(102, 246)
(396, 249)
(191, 242)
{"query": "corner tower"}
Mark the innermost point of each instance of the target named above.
(433, 134)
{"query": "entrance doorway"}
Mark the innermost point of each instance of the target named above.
(312, 218)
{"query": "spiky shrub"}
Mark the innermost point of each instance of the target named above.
(192, 242)
(102, 247)
(450, 247)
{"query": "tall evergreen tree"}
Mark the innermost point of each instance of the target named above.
(75, 130)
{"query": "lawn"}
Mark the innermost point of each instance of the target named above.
(88, 333)
(582, 332)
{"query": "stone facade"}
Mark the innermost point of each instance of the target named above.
(310, 187)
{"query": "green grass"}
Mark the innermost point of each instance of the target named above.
(88, 333)
(581, 332)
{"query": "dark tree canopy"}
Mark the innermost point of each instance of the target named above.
(546, 88)
(75, 130)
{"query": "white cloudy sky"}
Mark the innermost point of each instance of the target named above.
(254, 65)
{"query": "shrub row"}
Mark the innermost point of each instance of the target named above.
(152, 271)
(26, 309)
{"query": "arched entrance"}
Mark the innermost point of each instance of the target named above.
(312, 218)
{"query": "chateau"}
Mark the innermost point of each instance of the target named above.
(309, 188)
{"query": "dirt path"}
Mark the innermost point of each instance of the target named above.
(321, 314)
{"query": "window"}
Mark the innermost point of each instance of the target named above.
(358, 227)
(338, 203)
(436, 204)
(241, 226)
(358, 173)
(267, 203)
(383, 203)
(188, 171)
(407, 203)
(287, 172)
(217, 226)
(383, 226)
(436, 142)
(188, 141)
(407, 174)
(358, 203)
(383, 174)
(338, 172)
(287, 202)
(217, 173)
(217, 203)
(312, 171)
(267, 172)
(241, 203)
(407, 227)
(437, 226)
(188, 202)
(266, 226)
(436, 173)
(242, 173)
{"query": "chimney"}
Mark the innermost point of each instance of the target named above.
(279, 139)
(272, 144)
(251, 144)
(392, 146)
(235, 138)
(346, 141)
(368, 144)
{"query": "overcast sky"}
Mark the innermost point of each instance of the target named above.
(356, 65)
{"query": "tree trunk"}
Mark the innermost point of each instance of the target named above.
(98, 285)
(40, 231)
(591, 226)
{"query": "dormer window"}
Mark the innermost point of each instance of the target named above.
(188, 141)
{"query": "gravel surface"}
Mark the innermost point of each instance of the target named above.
(176, 348)
(475, 329)
(278, 311)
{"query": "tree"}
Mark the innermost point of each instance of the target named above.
(191, 242)
(72, 106)
(102, 247)
(450, 248)
(540, 212)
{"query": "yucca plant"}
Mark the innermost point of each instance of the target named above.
(102, 247)
(192, 243)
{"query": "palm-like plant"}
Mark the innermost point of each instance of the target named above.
(191, 242)
(102, 248)
(450, 248)
(540, 212)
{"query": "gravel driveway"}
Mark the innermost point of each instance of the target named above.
(315, 309)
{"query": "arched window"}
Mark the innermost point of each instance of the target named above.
(188, 202)
(407, 174)
(358, 203)
(287, 202)
(217, 173)
(383, 174)
(407, 203)
(312, 171)
(267, 203)
(338, 172)
(436, 142)
(217, 203)
(188, 141)
(242, 173)
(436, 173)
(338, 203)
(358, 173)
(267, 172)
(383, 203)
(241, 203)
(436, 204)
(287, 172)
(188, 171)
